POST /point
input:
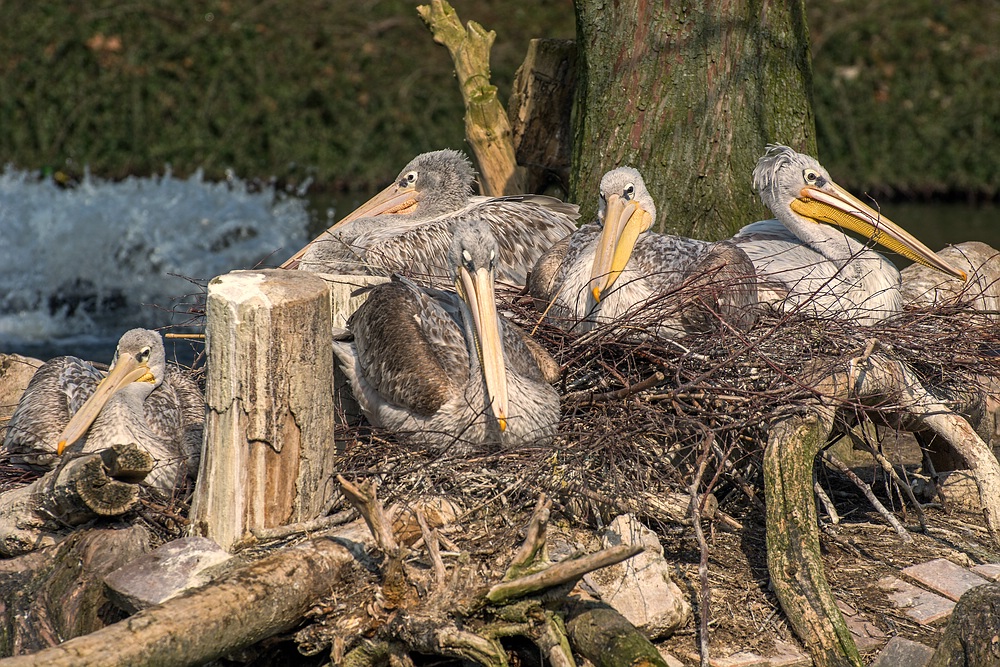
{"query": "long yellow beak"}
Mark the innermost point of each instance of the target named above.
(394, 199)
(126, 371)
(477, 290)
(842, 209)
(624, 221)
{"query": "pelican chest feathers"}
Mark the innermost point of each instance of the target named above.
(804, 262)
(441, 369)
(617, 267)
(407, 227)
(70, 405)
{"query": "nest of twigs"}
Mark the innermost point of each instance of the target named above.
(642, 414)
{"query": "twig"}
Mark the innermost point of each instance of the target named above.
(561, 573)
(315, 525)
(704, 611)
(588, 397)
(433, 550)
(867, 490)
(365, 500)
(831, 511)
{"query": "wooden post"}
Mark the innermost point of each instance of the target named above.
(268, 453)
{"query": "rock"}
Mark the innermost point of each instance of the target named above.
(901, 651)
(922, 606)
(944, 577)
(161, 574)
(640, 589)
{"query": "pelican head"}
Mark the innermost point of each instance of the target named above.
(474, 252)
(800, 193)
(139, 365)
(625, 211)
(432, 183)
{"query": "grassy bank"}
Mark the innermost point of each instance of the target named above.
(348, 92)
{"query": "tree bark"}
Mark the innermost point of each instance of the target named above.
(689, 94)
(255, 602)
(607, 639)
(54, 594)
(971, 640)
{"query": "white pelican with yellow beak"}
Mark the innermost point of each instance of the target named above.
(441, 369)
(406, 228)
(616, 268)
(805, 263)
(70, 406)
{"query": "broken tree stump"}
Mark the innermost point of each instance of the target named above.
(971, 638)
(268, 455)
(486, 126)
(539, 110)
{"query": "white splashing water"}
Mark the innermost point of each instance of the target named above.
(82, 265)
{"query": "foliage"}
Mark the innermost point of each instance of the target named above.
(347, 92)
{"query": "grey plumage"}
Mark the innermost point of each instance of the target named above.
(814, 268)
(677, 282)
(162, 412)
(419, 363)
(432, 193)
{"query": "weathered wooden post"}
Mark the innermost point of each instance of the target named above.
(269, 457)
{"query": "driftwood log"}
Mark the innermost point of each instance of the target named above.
(793, 547)
(81, 489)
(486, 125)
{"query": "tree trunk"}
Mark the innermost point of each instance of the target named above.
(689, 94)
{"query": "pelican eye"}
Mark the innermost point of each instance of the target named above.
(811, 176)
(409, 179)
(628, 192)
(467, 257)
(143, 355)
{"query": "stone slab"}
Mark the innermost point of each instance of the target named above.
(922, 606)
(166, 571)
(786, 655)
(988, 571)
(901, 652)
(867, 636)
(944, 577)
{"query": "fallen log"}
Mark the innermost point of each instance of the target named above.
(255, 602)
(89, 486)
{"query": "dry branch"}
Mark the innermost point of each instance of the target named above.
(486, 125)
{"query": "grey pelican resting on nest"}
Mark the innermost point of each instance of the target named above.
(925, 287)
(71, 405)
(804, 265)
(406, 228)
(615, 266)
(442, 369)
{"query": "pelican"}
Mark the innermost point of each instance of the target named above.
(70, 405)
(804, 265)
(615, 266)
(407, 226)
(924, 287)
(442, 369)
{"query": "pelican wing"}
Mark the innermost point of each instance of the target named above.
(175, 412)
(924, 286)
(525, 226)
(410, 347)
(56, 391)
(526, 357)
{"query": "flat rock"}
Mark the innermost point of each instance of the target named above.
(922, 606)
(640, 589)
(988, 571)
(161, 574)
(786, 655)
(901, 652)
(945, 577)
